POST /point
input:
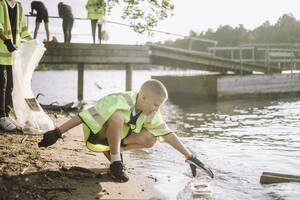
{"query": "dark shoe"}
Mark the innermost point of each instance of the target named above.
(116, 172)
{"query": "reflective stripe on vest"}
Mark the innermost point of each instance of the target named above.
(127, 98)
(98, 118)
(20, 13)
(6, 31)
(5, 54)
(162, 126)
(20, 18)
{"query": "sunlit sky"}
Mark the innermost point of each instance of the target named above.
(196, 15)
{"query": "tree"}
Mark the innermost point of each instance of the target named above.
(143, 14)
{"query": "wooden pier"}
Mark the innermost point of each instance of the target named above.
(127, 55)
(82, 54)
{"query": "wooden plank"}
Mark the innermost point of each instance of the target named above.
(158, 51)
(269, 178)
(94, 60)
(282, 54)
(95, 54)
(258, 84)
(281, 175)
(80, 81)
(278, 49)
(94, 46)
(230, 48)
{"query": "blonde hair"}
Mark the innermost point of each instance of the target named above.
(155, 87)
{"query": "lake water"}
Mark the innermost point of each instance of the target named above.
(239, 139)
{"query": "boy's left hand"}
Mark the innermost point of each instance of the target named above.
(195, 163)
(50, 138)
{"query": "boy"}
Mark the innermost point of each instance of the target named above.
(121, 122)
(13, 27)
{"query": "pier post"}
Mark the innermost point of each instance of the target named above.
(128, 77)
(241, 62)
(80, 81)
(253, 56)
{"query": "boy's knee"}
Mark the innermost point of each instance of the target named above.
(149, 140)
(150, 143)
(116, 119)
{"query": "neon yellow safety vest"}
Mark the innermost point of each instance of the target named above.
(21, 30)
(95, 9)
(95, 117)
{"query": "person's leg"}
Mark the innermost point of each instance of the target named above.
(114, 132)
(5, 97)
(70, 27)
(47, 31)
(37, 26)
(46, 24)
(65, 30)
(144, 139)
(93, 23)
(3, 84)
(9, 89)
(99, 32)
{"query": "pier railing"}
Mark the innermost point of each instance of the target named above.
(286, 56)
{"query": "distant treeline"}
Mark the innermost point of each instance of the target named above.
(285, 30)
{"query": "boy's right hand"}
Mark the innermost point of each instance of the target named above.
(50, 138)
(195, 163)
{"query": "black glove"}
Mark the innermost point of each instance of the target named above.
(50, 138)
(195, 163)
(9, 45)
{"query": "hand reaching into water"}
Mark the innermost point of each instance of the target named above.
(195, 163)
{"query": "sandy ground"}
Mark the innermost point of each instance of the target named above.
(66, 170)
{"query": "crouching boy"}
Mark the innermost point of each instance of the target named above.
(125, 121)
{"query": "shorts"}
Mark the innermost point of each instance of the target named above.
(42, 16)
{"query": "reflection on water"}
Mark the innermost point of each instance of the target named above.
(239, 139)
